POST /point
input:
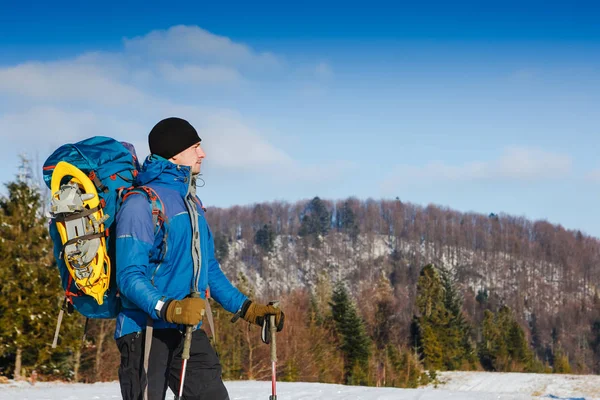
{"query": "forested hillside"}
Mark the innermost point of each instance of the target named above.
(549, 277)
(375, 292)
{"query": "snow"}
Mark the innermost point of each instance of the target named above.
(455, 385)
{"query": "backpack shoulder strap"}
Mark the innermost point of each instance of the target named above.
(159, 217)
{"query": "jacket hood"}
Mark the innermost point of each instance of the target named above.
(162, 172)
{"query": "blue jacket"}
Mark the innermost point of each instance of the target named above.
(143, 279)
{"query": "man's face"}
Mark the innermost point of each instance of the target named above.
(192, 157)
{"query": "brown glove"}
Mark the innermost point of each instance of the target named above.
(256, 313)
(188, 311)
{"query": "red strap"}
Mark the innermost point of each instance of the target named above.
(68, 293)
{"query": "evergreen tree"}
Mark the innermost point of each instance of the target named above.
(433, 317)
(347, 221)
(265, 238)
(489, 347)
(30, 291)
(442, 333)
(504, 346)
(355, 342)
(459, 329)
(221, 247)
(482, 296)
(407, 371)
(561, 362)
(316, 220)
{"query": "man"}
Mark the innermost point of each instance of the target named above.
(156, 275)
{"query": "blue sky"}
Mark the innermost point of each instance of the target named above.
(460, 104)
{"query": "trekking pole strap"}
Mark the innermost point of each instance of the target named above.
(211, 322)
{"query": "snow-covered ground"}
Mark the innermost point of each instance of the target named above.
(455, 385)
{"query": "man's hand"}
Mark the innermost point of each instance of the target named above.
(256, 314)
(188, 311)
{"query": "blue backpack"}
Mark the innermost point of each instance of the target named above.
(88, 181)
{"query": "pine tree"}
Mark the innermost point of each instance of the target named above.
(265, 238)
(221, 247)
(491, 343)
(30, 291)
(355, 343)
(316, 220)
(442, 333)
(561, 362)
(433, 317)
(459, 329)
(504, 346)
(407, 371)
(347, 221)
(340, 302)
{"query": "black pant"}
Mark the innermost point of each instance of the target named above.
(203, 371)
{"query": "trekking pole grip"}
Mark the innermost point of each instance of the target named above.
(187, 341)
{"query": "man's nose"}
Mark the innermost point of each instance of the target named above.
(200, 152)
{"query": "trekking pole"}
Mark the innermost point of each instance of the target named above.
(187, 344)
(273, 359)
(273, 329)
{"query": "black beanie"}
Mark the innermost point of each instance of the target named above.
(171, 136)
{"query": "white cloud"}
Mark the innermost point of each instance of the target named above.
(47, 127)
(198, 74)
(122, 94)
(194, 43)
(232, 142)
(237, 145)
(531, 164)
(515, 164)
(67, 81)
(182, 54)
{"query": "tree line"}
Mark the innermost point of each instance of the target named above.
(447, 291)
(548, 276)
